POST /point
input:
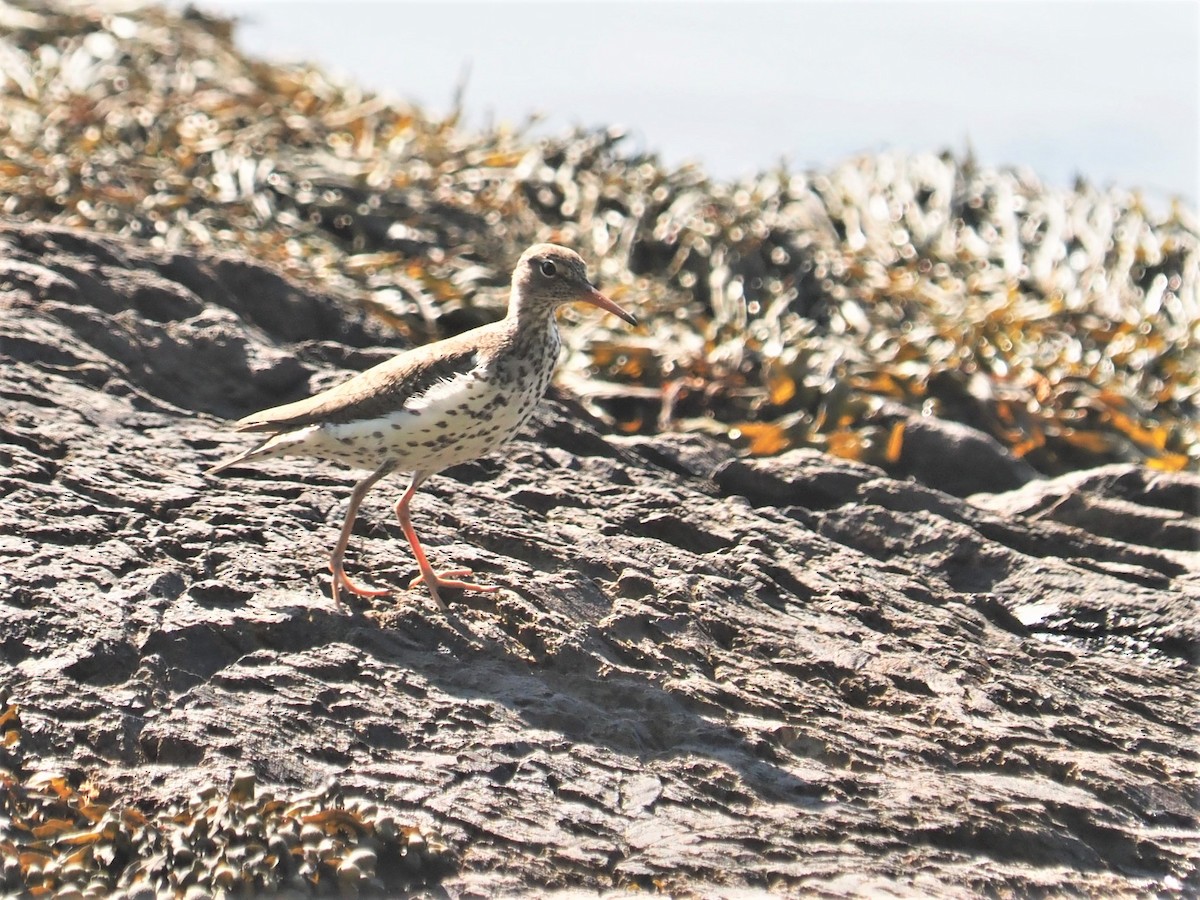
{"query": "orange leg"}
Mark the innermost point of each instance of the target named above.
(432, 579)
(340, 578)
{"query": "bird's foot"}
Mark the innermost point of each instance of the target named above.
(449, 579)
(341, 579)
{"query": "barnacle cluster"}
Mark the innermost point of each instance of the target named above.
(61, 836)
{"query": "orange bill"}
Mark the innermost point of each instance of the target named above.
(596, 298)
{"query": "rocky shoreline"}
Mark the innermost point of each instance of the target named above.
(705, 673)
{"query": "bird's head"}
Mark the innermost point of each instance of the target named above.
(548, 276)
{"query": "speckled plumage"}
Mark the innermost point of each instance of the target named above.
(435, 406)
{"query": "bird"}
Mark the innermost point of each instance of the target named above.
(434, 406)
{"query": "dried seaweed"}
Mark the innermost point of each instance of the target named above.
(788, 309)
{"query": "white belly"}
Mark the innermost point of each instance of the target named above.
(444, 432)
(454, 421)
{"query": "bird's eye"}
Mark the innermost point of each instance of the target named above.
(548, 268)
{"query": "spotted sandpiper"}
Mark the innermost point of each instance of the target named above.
(435, 406)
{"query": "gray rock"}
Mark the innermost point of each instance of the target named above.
(702, 672)
(953, 457)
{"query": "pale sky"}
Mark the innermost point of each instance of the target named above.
(1107, 89)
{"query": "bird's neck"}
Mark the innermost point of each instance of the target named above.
(532, 319)
(535, 341)
(535, 327)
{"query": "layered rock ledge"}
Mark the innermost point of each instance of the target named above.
(704, 672)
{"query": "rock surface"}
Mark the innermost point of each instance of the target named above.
(703, 673)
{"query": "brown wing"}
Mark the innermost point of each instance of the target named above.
(381, 389)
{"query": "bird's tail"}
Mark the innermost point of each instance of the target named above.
(277, 445)
(233, 461)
